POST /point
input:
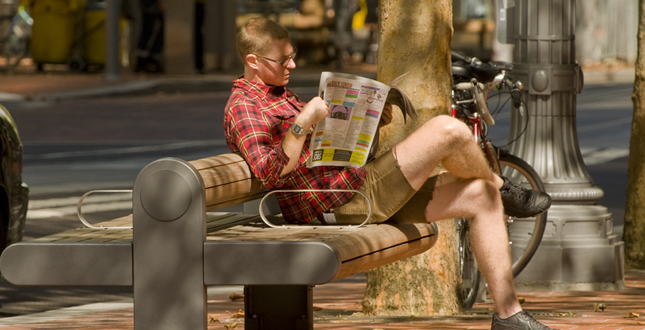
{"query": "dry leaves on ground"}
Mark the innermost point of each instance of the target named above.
(599, 307)
(238, 315)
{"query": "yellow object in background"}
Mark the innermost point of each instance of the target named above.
(93, 41)
(54, 29)
(68, 32)
(358, 21)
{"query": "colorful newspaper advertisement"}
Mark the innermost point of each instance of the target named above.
(355, 106)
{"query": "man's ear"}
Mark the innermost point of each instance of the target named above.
(252, 61)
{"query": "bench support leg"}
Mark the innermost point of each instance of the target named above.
(168, 243)
(286, 307)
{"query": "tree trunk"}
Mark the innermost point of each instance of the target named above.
(415, 37)
(634, 231)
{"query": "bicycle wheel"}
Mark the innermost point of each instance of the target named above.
(525, 234)
(467, 264)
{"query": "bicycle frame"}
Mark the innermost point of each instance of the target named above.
(479, 135)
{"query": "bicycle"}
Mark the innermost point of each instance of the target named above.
(472, 81)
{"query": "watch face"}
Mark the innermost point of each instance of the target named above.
(297, 129)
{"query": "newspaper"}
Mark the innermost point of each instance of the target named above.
(346, 136)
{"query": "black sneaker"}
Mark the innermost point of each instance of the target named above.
(521, 202)
(519, 321)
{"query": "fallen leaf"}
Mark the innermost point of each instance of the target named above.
(634, 315)
(521, 300)
(231, 326)
(599, 307)
(317, 309)
(212, 319)
(238, 315)
(235, 296)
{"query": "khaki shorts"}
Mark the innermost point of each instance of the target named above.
(392, 196)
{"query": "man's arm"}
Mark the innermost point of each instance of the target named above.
(312, 113)
(270, 162)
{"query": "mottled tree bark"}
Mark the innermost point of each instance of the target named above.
(634, 231)
(415, 37)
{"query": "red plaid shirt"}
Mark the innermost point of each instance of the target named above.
(256, 120)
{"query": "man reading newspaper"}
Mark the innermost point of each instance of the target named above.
(270, 126)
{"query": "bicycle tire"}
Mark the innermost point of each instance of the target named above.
(470, 275)
(523, 243)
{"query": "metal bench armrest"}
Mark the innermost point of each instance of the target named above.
(80, 204)
(266, 221)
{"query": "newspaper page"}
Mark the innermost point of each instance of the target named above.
(346, 136)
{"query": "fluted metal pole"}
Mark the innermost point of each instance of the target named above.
(579, 250)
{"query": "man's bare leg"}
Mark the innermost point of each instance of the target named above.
(479, 200)
(442, 139)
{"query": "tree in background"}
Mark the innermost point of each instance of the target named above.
(634, 232)
(415, 37)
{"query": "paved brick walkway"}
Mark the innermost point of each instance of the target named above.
(338, 308)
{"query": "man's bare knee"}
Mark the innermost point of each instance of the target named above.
(452, 130)
(482, 195)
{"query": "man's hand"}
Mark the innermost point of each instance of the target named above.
(386, 116)
(313, 112)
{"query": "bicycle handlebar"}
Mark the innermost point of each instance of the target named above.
(473, 72)
(456, 56)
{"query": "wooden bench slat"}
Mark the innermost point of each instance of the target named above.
(384, 257)
(376, 238)
(215, 161)
(228, 181)
(233, 194)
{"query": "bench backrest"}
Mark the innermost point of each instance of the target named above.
(228, 181)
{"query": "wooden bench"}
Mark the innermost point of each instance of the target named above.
(177, 247)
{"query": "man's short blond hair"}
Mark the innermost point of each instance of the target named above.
(256, 34)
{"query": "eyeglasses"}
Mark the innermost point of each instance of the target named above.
(284, 62)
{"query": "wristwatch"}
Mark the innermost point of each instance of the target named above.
(297, 129)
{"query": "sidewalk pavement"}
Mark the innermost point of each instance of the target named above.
(338, 307)
(59, 85)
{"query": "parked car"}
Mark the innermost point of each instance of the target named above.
(14, 194)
